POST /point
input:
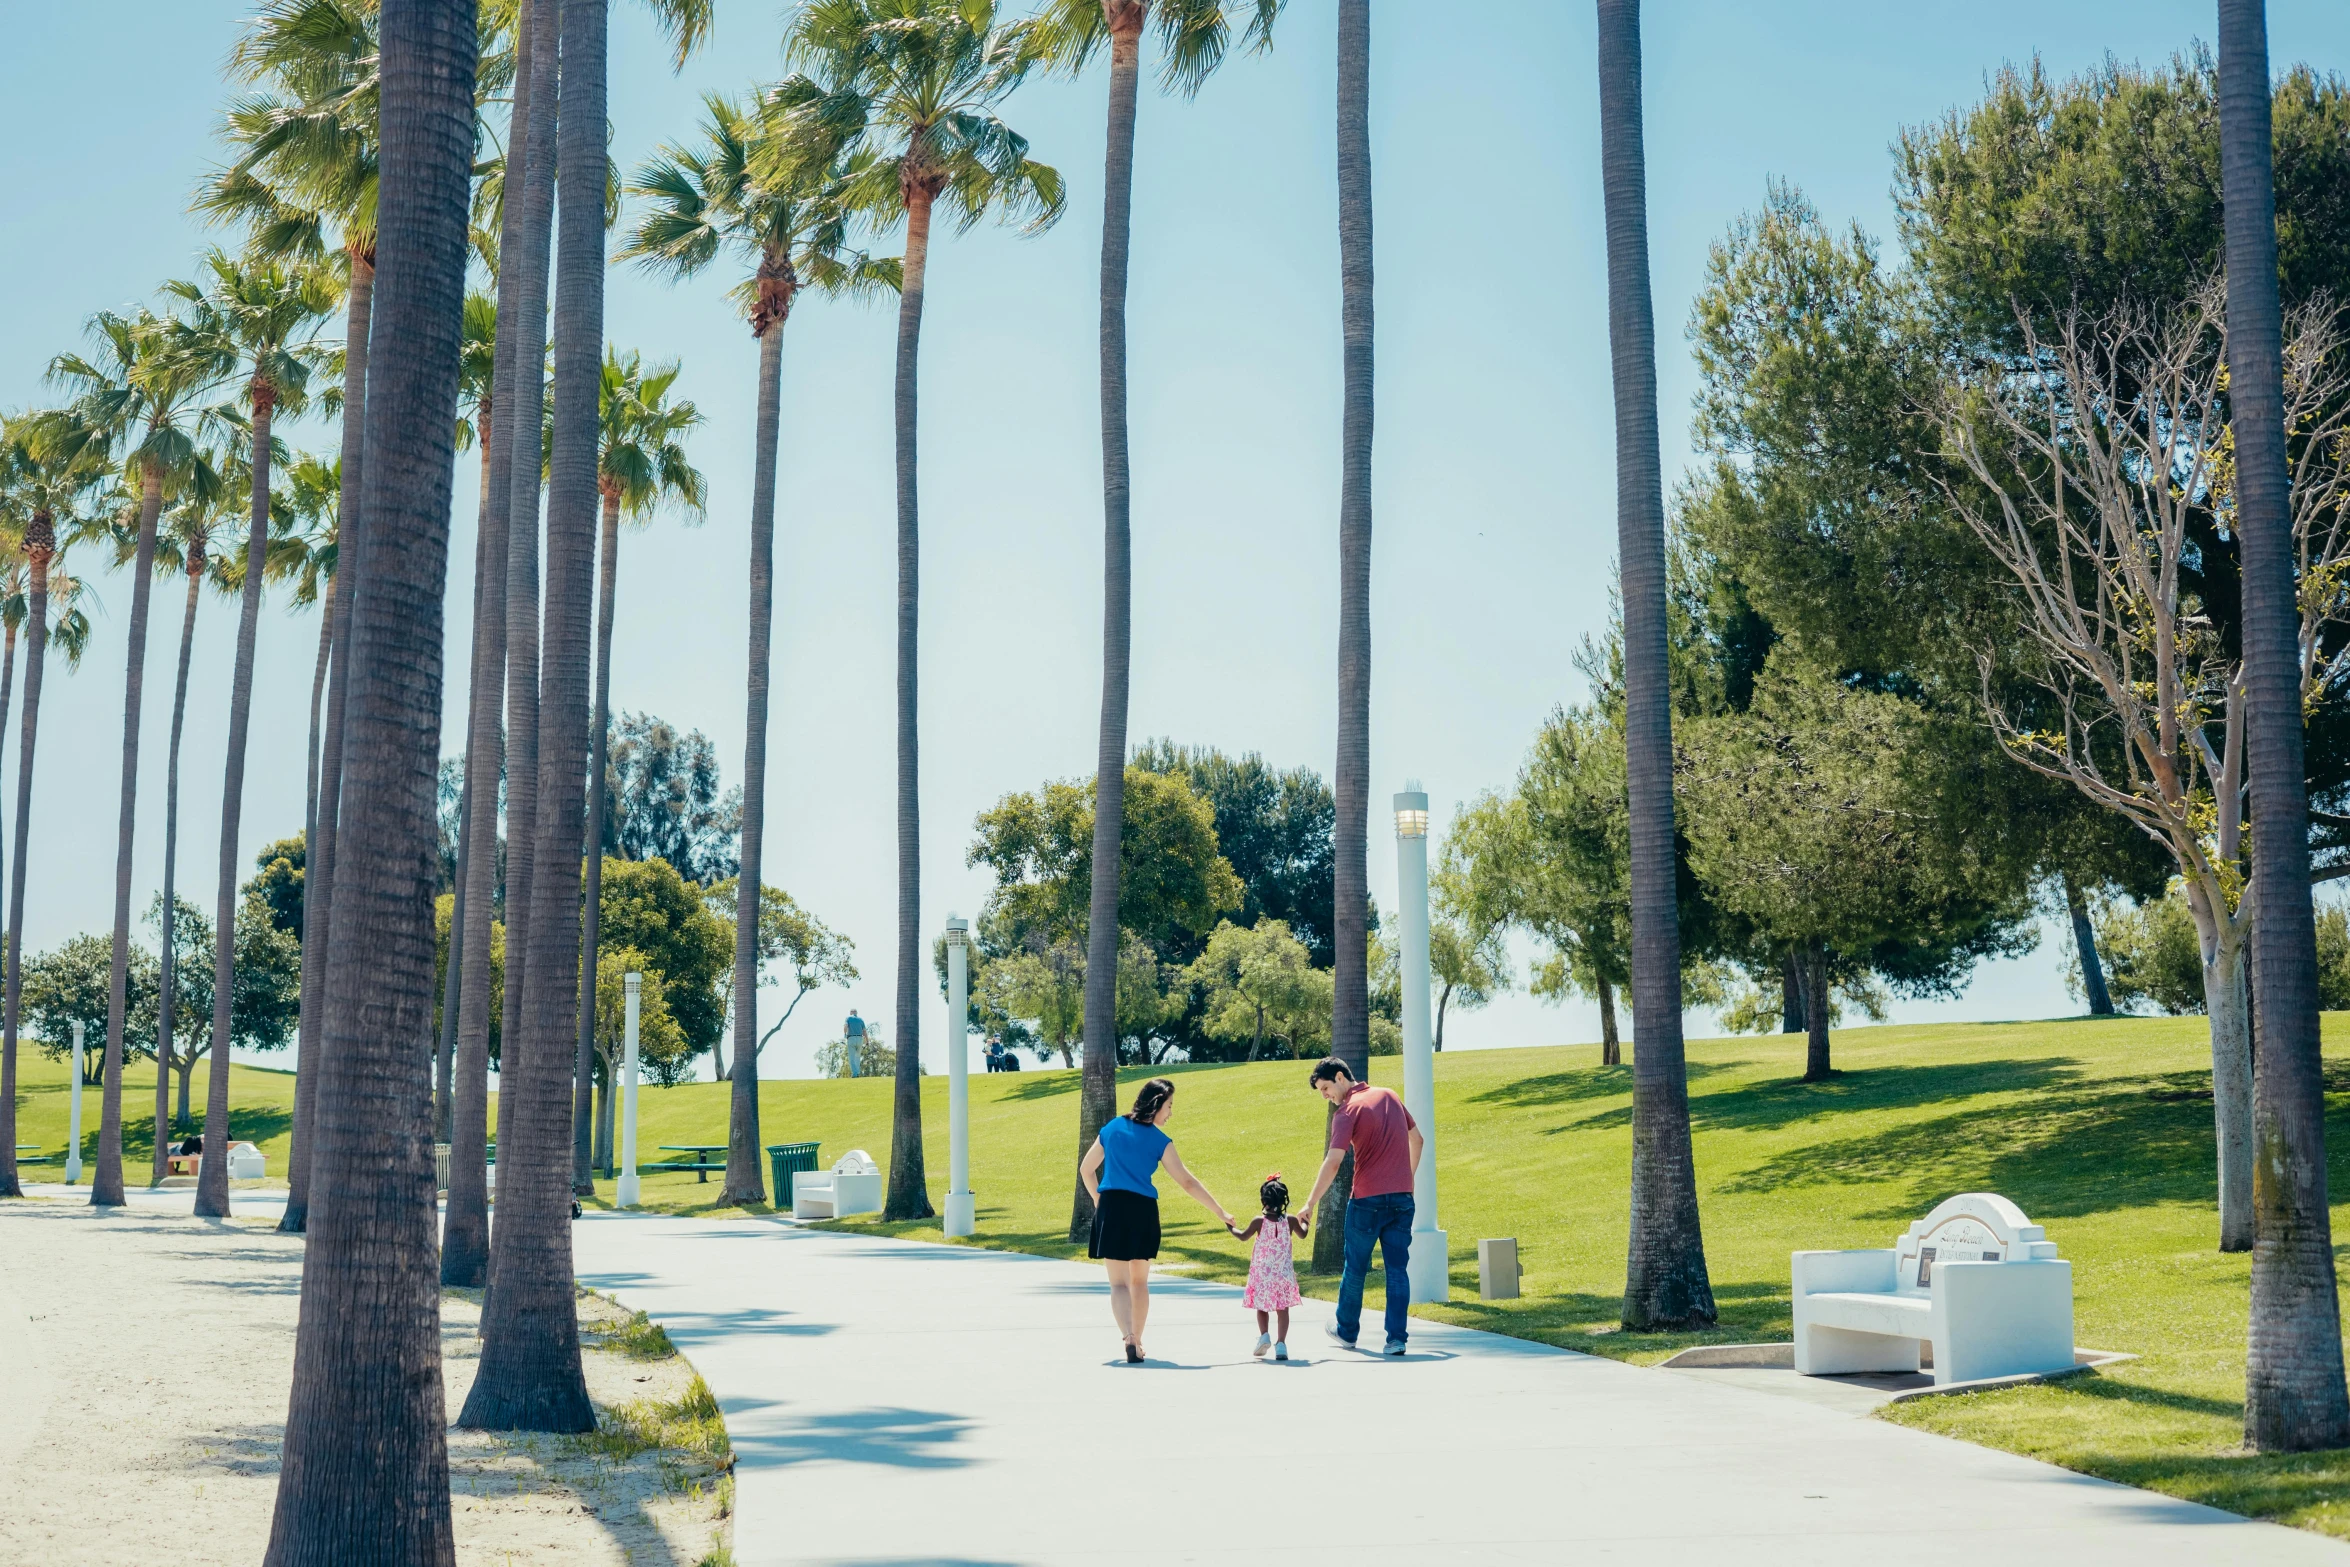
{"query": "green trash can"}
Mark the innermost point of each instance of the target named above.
(788, 1159)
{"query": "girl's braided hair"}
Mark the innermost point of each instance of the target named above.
(1274, 1195)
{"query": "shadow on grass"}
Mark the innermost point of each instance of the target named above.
(1596, 1082)
(1786, 1101)
(1041, 1085)
(2072, 1154)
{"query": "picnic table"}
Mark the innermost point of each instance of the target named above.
(701, 1166)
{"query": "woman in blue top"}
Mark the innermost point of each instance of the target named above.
(1117, 1172)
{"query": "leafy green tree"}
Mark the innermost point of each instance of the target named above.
(1468, 957)
(652, 910)
(812, 952)
(264, 998)
(664, 801)
(1261, 983)
(2153, 955)
(71, 984)
(912, 86)
(277, 882)
(1273, 826)
(444, 926)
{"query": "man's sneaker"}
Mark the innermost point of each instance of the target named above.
(1337, 1337)
(1281, 1352)
(1394, 1349)
(1264, 1342)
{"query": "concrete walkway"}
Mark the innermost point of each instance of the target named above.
(899, 1404)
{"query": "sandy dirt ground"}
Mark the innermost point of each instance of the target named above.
(144, 1365)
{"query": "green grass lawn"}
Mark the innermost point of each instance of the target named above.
(2099, 1130)
(260, 1112)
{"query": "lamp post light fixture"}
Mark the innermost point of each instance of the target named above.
(962, 1211)
(1431, 1264)
(631, 986)
(73, 1146)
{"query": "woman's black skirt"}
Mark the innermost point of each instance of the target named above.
(1125, 1227)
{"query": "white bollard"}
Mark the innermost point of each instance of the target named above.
(73, 1147)
(1431, 1264)
(626, 1196)
(962, 1209)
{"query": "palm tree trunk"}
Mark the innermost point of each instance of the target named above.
(2294, 1397)
(745, 1181)
(167, 990)
(909, 1187)
(1665, 1280)
(530, 1377)
(465, 1225)
(1350, 1015)
(212, 1176)
(326, 637)
(2085, 943)
(604, 1103)
(1098, 1102)
(528, 257)
(40, 542)
(583, 1157)
(318, 850)
(1611, 1041)
(106, 1174)
(365, 1469)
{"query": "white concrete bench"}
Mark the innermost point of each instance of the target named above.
(852, 1185)
(1975, 1279)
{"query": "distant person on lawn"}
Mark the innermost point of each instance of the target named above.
(1117, 1172)
(1386, 1144)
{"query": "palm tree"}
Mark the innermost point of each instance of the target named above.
(916, 83)
(135, 397)
(1193, 37)
(2294, 1398)
(183, 548)
(365, 1474)
(308, 553)
(36, 491)
(640, 467)
(305, 182)
(705, 200)
(255, 320)
(1665, 1284)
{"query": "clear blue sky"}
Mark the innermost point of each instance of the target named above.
(1494, 482)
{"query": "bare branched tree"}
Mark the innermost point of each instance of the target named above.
(2103, 469)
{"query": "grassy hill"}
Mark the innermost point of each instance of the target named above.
(2100, 1130)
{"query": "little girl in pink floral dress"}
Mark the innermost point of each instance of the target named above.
(1272, 1276)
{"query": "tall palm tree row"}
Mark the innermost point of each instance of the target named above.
(2294, 1397)
(1193, 36)
(135, 396)
(530, 1376)
(1350, 1015)
(305, 180)
(1666, 1284)
(640, 468)
(364, 1476)
(742, 189)
(915, 83)
(37, 489)
(254, 320)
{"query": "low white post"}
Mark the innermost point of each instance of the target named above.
(962, 1211)
(626, 1197)
(73, 1148)
(1431, 1264)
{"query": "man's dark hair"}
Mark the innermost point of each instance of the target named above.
(1328, 1069)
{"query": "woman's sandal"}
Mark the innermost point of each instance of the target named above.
(1134, 1354)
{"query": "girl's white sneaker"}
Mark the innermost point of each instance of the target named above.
(1264, 1342)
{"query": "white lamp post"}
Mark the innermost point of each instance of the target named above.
(73, 1148)
(1431, 1267)
(962, 1212)
(626, 1197)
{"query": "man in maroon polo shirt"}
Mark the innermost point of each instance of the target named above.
(1386, 1145)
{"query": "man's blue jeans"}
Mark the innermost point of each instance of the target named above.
(1387, 1220)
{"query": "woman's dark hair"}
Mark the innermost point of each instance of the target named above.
(1151, 1100)
(1274, 1194)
